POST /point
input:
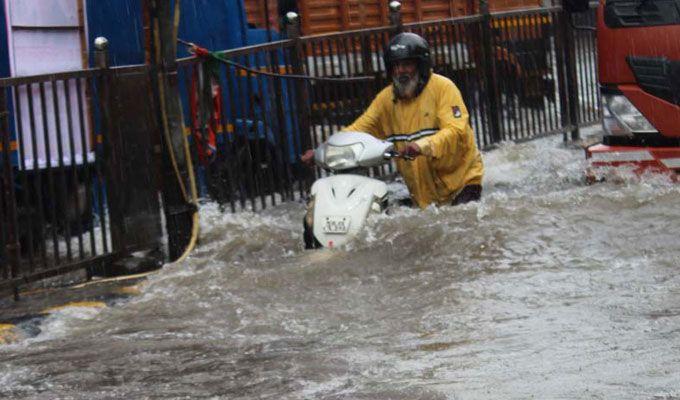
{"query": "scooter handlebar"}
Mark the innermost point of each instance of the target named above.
(390, 154)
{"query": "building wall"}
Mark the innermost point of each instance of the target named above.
(321, 16)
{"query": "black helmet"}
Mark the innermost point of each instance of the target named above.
(409, 45)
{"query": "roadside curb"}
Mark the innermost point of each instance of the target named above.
(23, 319)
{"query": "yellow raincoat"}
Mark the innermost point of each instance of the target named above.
(438, 121)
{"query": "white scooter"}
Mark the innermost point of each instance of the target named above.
(341, 203)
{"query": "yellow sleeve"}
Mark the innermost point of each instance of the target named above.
(369, 121)
(452, 119)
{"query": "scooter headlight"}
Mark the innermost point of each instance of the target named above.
(343, 157)
(621, 118)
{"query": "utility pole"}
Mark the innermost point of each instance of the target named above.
(161, 22)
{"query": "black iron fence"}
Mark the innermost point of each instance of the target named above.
(67, 191)
(52, 189)
(79, 151)
(523, 74)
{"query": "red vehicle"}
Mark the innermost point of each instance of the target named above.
(639, 71)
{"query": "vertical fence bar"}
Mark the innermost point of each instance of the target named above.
(87, 170)
(300, 176)
(541, 71)
(550, 58)
(74, 187)
(37, 176)
(561, 73)
(461, 57)
(269, 144)
(528, 26)
(516, 83)
(26, 193)
(6, 184)
(255, 120)
(557, 70)
(366, 54)
(344, 43)
(297, 63)
(49, 171)
(327, 63)
(447, 48)
(330, 89)
(491, 95)
(521, 77)
(537, 37)
(62, 202)
(571, 77)
(93, 176)
(481, 82)
(246, 153)
(498, 42)
(547, 82)
(103, 164)
(9, 217)
(5, 179)
(319, 100)
(241, 156)
(282, 157)
(111, 155)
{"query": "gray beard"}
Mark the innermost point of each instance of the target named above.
(405, 90)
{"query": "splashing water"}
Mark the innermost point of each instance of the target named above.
(547, 288)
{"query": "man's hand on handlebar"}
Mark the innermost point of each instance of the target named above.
(411, 151)
(307, 157)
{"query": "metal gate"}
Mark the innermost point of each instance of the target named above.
(78, 166)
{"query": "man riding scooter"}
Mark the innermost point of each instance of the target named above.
(423, 114)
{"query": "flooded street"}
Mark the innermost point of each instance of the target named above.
(546, 289)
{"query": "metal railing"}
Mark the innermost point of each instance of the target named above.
(249, 113)
(53, 200)
(58, 179)
(523, 74)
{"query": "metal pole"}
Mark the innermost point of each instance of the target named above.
(111, 154)
(175, 175)
(12, 246)
(568, 81)
(297, 61)
(101, 52)
(487, 60)
(572, 78)
(396, 18)
(267, 24)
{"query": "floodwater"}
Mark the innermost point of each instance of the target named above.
(546, 289)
